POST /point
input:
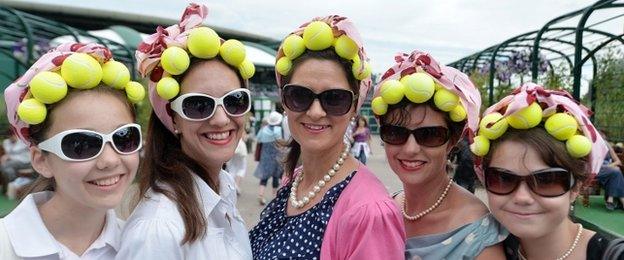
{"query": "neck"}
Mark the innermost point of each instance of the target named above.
(552, 245)
(421, 196)
(316, 164)
(75, 226)
(212, 174)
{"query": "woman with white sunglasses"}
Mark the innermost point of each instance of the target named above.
(187, 207)
(83, 143)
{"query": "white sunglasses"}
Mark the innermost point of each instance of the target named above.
(199, 107)
(77, 145)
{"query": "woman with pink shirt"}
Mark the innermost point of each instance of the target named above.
(332, 206)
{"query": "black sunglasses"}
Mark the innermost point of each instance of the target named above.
(431, 136)
(552, 182)
(335, 102)
(198, 106)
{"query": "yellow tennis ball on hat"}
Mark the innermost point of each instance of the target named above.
(203, 42)
(115, 74)
(81, 71)
(48, 87)
(378, 106)
(561, 126)
(32, 111)
(445, 100)
(392, 91)
(283, 66)
(345, 47)
(135, 91)
(293, 46)
(527, 117)
(419, 87)
(167, 88)
(247, 69)
(318, 36)
(174, 60)
(458, 113)
(480, 146)
(497, 126)
(578, 146)
(233, 52)
(361, 74)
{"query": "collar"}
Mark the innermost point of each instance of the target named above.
(209, 198)
(111, 234)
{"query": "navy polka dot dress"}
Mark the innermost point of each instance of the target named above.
(279, 236)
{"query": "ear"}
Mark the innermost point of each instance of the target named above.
(39, 162)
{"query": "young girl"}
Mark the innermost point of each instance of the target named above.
(536, 149)
(84, 144)
(187, 207)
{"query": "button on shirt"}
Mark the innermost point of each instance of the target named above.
(155, 229)
(30, 239)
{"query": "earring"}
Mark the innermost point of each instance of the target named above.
(175, 131)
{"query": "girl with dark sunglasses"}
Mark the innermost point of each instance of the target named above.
(331, 206)
(534, 154)
(187, 207)
(424, 109)
(83, 144)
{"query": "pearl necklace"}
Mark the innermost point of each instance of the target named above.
(567, 253)
(321, 183)
(434, 206)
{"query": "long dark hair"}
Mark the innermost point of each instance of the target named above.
(294, 148)
(168, 170)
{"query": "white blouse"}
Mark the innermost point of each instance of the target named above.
(155, 229)
(30, 239)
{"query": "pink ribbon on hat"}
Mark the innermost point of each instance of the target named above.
(149, 51)
(553, 100)
(451, 79)
(51, 61)
(340, 26)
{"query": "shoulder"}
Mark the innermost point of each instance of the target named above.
(6, 249)
(471, 207)
(154, 207)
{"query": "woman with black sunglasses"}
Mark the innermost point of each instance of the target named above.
(423, 108)
(535, 149)
(332, 206)
(187, 207)
(74, 109)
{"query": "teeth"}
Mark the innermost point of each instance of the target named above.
(218, 136)
(107, 182)
(315, 127)
(412, 164)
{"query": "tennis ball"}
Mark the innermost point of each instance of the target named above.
(392, 91)
(32, 111)
(527, 117)
(345, 47)
(561, 126)
(174, 60)
(115, 74)
(379, 106)
(458, 113)
(318, 36)
(293, 46)
(283, 66)
(246, 69)
(578, 146)
(203, 42)
(480, 146)
(48, 87)
(497, 126)
(167, 88)
(135, 91)
(233, 52)
(81, 71)
(445, 100)
(419, 87)
(360, 74)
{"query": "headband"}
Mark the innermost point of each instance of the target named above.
(418, 78)
(321, 33)
(76, 65)
(166, 53)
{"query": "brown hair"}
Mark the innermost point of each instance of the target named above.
(39, 132)
(294, 148)
(552, 151)
(168, 170)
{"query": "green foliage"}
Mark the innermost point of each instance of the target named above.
(559, 78)
(609, 95)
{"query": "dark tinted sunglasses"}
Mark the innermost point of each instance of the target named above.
(431, 136)
(335, 102)
(552, 182)
(83, 145)
(198, 106)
